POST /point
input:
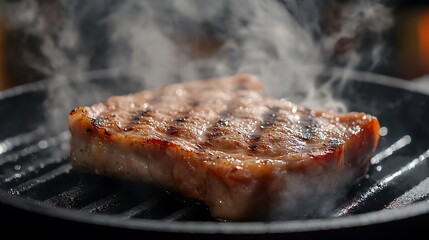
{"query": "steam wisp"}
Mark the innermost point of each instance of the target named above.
(287, 44)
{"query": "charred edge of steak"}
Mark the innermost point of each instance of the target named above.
(136, 119)
(174, 129)
(73, 111)
(269, 118)
(137, 116)
(216, 129)
(308, 125)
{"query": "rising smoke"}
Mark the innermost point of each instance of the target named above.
(287, 44)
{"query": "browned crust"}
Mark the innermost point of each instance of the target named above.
(233, 189)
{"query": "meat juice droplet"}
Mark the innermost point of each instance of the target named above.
(383, 131)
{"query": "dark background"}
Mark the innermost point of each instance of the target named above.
(407, 58)
(406, 55)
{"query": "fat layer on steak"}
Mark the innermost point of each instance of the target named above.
(221, 142)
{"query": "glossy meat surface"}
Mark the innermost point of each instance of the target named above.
(221, 142)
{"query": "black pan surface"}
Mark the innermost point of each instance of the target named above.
(37, 183)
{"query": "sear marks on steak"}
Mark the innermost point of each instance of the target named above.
(221, 142)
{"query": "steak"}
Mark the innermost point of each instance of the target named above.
(222, 142)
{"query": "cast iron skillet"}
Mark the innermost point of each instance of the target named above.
(392, 198)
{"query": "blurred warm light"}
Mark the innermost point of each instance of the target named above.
(412, 53)
(423, 33)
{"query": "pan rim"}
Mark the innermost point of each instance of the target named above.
(199, 227)
(290, 226)
(363, 76)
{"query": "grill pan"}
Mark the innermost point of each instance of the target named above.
(39, 187)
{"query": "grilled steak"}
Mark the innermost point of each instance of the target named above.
(221, 142)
